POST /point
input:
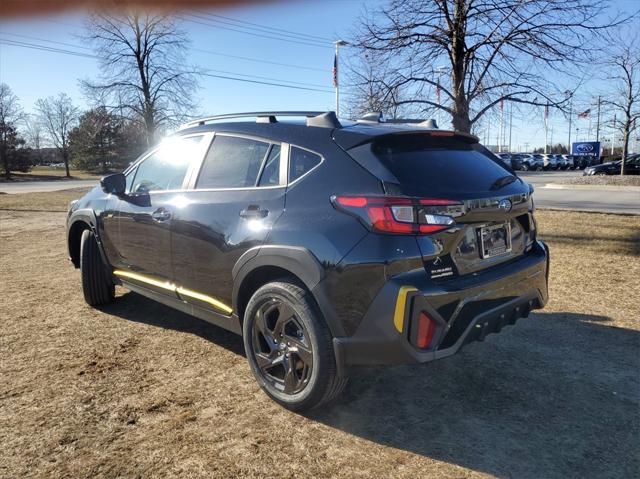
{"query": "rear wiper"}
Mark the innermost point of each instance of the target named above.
(504, 181)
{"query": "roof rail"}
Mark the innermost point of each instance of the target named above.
(260, 116)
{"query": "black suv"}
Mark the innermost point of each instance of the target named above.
(325, 245)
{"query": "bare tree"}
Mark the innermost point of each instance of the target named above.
(10, 115)
(492, 50)
(624, 68)
(144, 71)
(58, 117)
(368, 93)
(33, 132)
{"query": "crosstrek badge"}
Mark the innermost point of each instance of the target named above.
(441, 267)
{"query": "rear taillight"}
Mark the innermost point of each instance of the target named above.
(426, 330)
(401, 215)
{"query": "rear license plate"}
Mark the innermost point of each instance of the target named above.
(495, 240)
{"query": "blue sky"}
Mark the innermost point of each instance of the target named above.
(33, 74)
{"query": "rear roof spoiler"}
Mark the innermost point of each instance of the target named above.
(378, 117)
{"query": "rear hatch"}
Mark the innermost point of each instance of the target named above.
(449, 175)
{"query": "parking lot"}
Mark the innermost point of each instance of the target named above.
(551, 193)
(139, 390)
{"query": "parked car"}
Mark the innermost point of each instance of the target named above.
(531, 162)
(569, 160)
(563, 163)
(398, 243)
(514, 161)
(631, 167)
(550, 162)
(584, 161)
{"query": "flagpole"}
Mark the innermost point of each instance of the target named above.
(336, 83)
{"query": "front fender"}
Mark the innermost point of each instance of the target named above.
(77, 220)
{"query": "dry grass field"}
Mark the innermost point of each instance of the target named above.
(47, 173)
(139, 390)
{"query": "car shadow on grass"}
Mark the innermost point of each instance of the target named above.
(555, 396)
(134, 307)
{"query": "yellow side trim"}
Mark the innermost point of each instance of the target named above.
(207, 299)
(401, 304)
(145, 279)
(172, 287)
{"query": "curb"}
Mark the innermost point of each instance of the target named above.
(599, 212)
(559, 186)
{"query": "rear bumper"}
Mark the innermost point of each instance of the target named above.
(465, 310)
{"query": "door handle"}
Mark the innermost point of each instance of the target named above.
(253, 212)
(161, 214)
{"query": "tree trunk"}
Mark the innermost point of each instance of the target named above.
(65, 157)
(460, 117)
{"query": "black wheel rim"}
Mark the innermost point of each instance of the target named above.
(281, 347)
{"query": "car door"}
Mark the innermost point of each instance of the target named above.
(237, 195)
(632, 166)
(145, 214)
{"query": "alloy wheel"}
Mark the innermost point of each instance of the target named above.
(281, 347)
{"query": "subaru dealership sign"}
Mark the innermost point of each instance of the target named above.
(586, 148)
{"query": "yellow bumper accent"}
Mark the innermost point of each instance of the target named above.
(167, 285)
(401, 304)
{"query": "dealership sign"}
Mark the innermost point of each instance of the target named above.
(586, 148)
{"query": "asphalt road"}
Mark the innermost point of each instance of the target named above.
(44, 186)
(609, 200)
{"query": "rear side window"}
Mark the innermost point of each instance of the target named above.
(300, 162)
(271, 172)
(232, 162)
(166, 168)
(428, 166)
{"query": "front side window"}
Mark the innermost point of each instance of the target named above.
(300, 162)
(232, 162)
(166, 168)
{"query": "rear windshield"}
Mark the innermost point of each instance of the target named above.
(440, 166)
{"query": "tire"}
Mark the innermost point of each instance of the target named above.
(599, 173)
(97, 286)
(290, 347)
(524, 167)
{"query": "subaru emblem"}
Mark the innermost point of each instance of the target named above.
(505, 205)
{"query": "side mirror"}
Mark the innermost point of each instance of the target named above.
(115, 184)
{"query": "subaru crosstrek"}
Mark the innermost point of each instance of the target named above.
(326, 245)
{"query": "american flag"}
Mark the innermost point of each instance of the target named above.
(335, 70)
(584, 114)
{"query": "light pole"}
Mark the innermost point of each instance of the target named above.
(510, 123)
(598, 121)
(442, 69)
(570, 114)
(336, 84)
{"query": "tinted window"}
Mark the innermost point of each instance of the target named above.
(232, 162)
(271, 172)
(300, 162)
(166, 168)
(425, 166)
